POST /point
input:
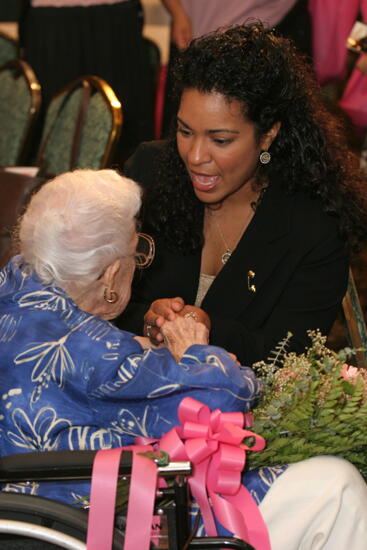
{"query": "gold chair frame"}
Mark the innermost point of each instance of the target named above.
(35, 91)
(115, 108)
(355, 322)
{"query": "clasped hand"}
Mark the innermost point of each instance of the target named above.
(178, 326)
(168, 309)
(170, 323)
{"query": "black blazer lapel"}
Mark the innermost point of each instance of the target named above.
(261, 248)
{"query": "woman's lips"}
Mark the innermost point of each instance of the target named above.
(204, 182)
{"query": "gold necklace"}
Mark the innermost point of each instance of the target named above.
(228, 252)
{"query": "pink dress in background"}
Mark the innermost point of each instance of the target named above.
(208, 15)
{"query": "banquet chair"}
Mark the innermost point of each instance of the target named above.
(9, 48)
(83, 122)
(25, 519)
(20, 100)
(355, 322)
(15, 191)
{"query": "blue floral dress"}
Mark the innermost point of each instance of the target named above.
(70, 380)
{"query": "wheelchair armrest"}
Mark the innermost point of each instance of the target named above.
(52, 465)
(68, 465)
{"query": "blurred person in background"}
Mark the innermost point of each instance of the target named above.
(65, 39)
(194, 18)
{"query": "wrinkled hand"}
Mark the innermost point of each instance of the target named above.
(164, 309)
(181, 30)
(182, 333)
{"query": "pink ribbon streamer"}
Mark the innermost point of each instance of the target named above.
(103, 490)
(213, 442)
(103, 499)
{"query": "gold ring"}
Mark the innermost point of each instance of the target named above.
(192, 315)
(147, 330)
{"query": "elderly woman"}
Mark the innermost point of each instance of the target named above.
(71, 380)
(255, 202)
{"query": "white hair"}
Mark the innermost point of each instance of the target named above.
(78, 224)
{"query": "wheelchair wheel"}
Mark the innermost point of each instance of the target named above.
(36, 523)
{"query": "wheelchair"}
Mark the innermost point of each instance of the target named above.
(30, 522)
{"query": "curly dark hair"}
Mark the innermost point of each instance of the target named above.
(274, 83)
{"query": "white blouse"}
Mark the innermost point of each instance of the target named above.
(205, 283)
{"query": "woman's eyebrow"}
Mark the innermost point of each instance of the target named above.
(226, 130)
(211, 131)
(183, 123)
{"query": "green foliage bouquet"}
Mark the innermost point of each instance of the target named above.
(315, 404)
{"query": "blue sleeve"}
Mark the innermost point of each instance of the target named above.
(144, 393)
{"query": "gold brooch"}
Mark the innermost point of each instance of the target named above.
(250, 280)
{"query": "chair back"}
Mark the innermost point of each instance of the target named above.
(16, 189)
(9, 48)
(355, 323)
(83, 122)
(20, 100)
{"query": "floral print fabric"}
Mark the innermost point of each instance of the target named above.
(70, 380)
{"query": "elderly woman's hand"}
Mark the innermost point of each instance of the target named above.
(182, 333)
(164, 309)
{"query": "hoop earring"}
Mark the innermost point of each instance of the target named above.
(265, 157)
(112, 298)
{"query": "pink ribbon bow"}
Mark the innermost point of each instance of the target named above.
(213, 442)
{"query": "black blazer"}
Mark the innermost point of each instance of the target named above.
(293, 248)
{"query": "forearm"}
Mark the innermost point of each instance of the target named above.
(174, 7)
(205, 373)
(181, 31)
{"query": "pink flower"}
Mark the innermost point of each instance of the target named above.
(348, 372)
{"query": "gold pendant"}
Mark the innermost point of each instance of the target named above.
(226, 256)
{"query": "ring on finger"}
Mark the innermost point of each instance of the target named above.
(148, 327)
(192, 315)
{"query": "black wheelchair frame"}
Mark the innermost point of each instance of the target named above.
(30, 522)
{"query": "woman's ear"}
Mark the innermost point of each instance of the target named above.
(109, 276)
(270, 135)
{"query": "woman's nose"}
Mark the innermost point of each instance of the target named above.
(198, 152)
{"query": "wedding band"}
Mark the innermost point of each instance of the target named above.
(147, 330)
(191, 314)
